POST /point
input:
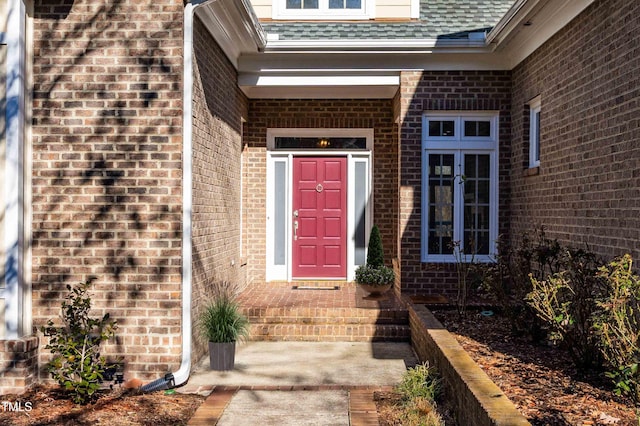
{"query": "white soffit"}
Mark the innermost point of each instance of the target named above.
(320, 92)
(529, 24)
(234, 26)
(319, 86)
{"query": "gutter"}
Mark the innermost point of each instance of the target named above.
(505, 26)
(474, 42)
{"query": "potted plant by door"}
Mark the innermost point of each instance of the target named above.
(222, 324)
(374, 277)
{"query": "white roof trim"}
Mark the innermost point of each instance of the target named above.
(318, 80)
(234, 26)
(474, 43)
(530, 23)
(415, 9)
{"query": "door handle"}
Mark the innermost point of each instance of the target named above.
(295, 230)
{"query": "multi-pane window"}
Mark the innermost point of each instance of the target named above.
(460, 186)
(534, 132)
(345, 4)
(302, 4)
(316, 9)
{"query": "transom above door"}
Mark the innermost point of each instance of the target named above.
(318, 203)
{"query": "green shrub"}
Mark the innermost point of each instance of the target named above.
(222, 321)
(566, 302)
(507, 282)
(375, 252)
(617, 324)
(366, 274)
(77, 365)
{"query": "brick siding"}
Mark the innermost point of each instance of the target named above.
(107, 159)
(443, 91)
(219, 107)
(585, 192)
(376, 114)
(18, 364)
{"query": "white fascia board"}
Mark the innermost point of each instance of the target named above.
(415, 9)
(318, 80)
(369, 63)
(233, 25)
(510, 20)
(320, 92)
(530, 23)
(376, 45)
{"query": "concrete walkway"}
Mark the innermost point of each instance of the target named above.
(299, 383)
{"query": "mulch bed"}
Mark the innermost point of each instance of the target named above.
(539, 379)
(47, 405)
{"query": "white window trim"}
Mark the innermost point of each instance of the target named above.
(458, 145)
(415, 9)
(279, 11)
(535, 107)
(284, 272)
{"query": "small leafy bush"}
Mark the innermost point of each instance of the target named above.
(617, 325)
(507, 280)
(566, 302)
(222, 321)
(366, 274)
(77, 365)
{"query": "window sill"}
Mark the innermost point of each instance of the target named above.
(531, 171)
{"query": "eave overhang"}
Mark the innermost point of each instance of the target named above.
(234, 25)
(273, 68)
(529, 24)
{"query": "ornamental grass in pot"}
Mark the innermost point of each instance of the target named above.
(222, 324)
(374, 277)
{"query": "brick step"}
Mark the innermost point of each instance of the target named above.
(331, 332)
(325, 316)
(328, 324)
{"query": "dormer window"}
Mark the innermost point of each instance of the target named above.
(323, 9)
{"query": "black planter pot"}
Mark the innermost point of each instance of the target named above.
(222, 356)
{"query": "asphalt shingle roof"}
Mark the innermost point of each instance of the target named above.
(438, 19)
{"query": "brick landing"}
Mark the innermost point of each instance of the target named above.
(278, 312)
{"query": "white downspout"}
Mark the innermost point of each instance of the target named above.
(179, 377)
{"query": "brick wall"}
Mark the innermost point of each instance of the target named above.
(360, 113)
(442, 91)
(18, 364)
(107, 158)
(219, 107)
(586, 190)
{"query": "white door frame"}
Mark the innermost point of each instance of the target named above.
(283, 271)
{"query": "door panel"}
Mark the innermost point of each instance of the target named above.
(320, 201)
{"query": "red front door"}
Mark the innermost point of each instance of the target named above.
(319, 217)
